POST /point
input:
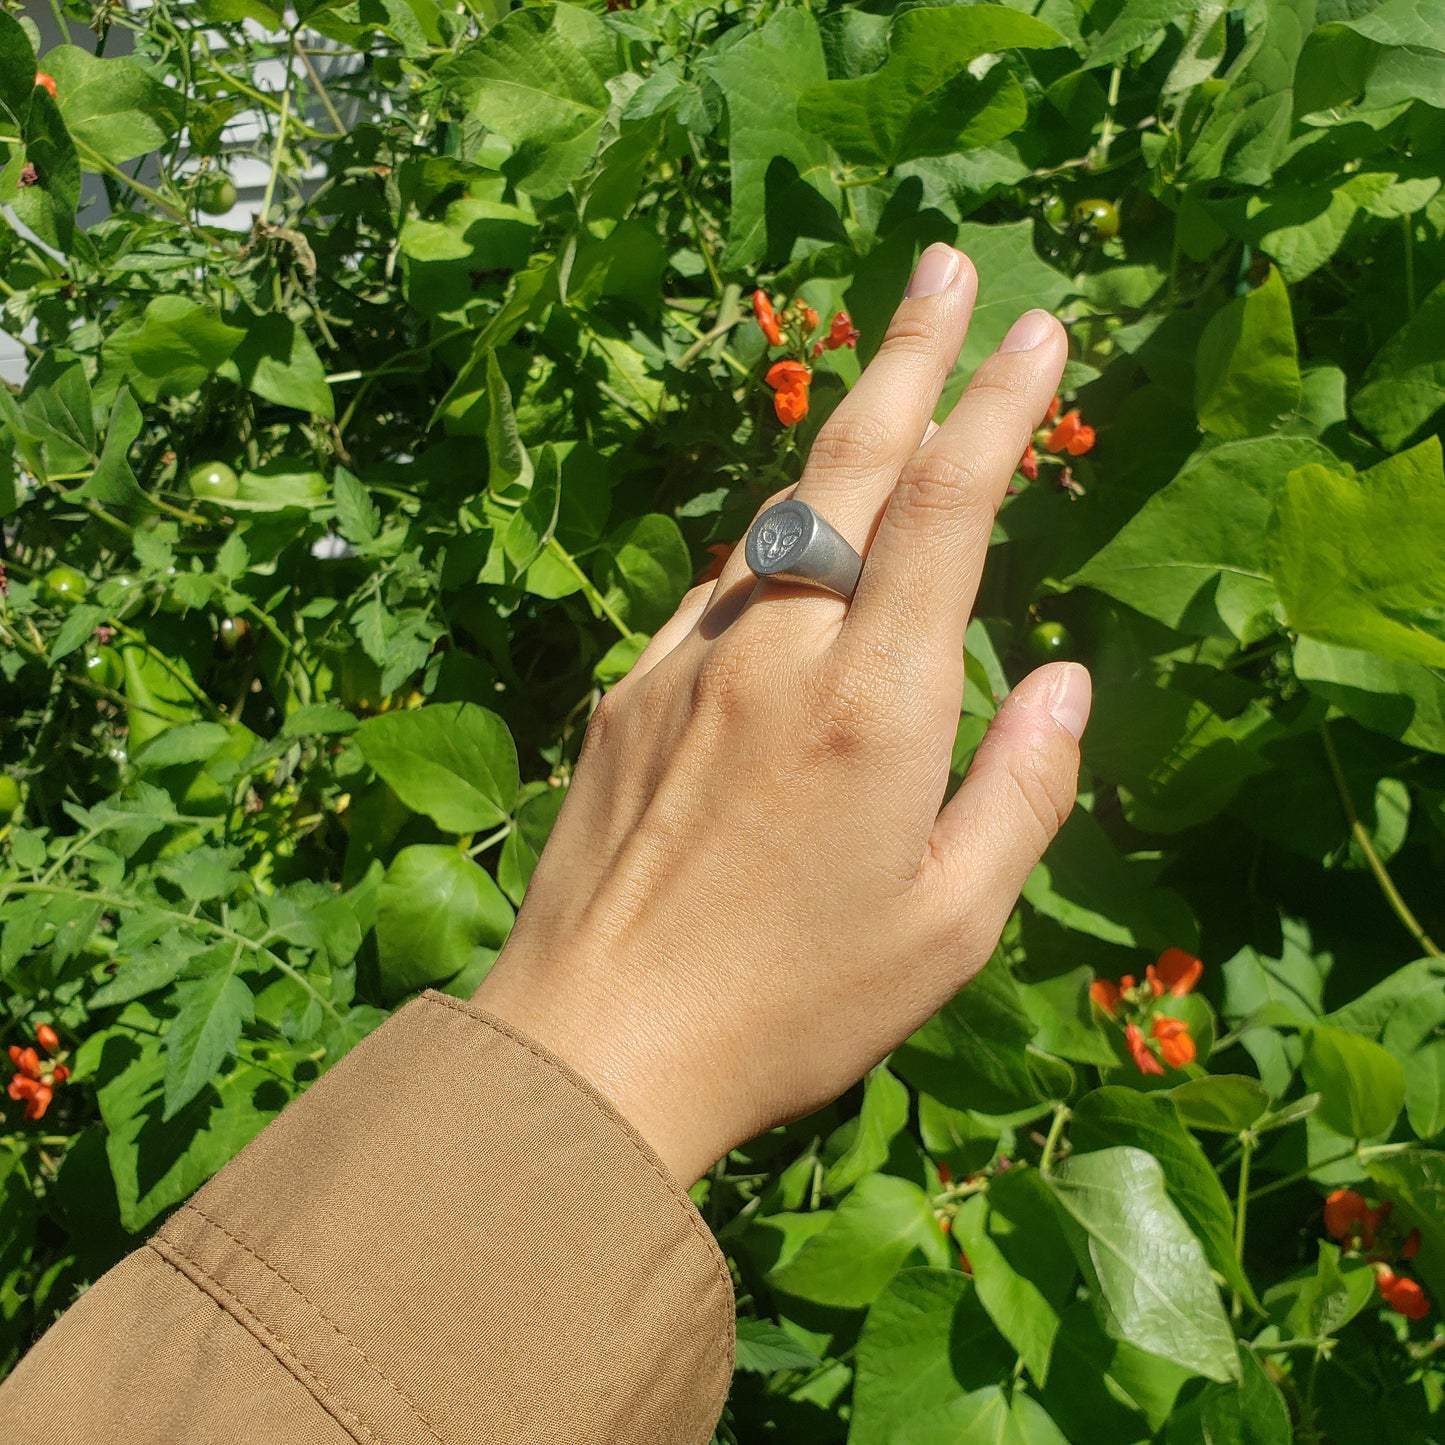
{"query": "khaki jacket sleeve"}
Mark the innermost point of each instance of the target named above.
(450, 1237)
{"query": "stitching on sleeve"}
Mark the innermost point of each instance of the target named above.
(229, 1304)
(725, 1330)
(314, 1308)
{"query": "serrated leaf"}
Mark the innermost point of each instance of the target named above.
(763, 1348)
(212, 1011)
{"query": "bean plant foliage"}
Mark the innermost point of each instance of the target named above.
(322, 538)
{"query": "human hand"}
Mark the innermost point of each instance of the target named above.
(750, 895)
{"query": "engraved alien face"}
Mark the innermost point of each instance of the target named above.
(778, 536)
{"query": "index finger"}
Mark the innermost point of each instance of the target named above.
(922, 571)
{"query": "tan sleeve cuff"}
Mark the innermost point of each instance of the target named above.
(453, 1237)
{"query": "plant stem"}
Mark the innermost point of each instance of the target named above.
(280, 140)
(1275, 1185)
(1398, 906)
(1051, 1142)
(1241, 1213)
(589, 590)
(1408, 225)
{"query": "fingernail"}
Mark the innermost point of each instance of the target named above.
(1026, 333)
(1069, 700)
(935, 271)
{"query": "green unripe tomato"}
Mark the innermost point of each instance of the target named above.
(215, 193)
(65, 585)
(1098, 217)
(213, 482)
(1050, 642)
(1055, 211)
(232, 632)
(9, 797)
(105, 669)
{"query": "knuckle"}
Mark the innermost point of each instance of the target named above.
(842, 715)
(722, 684)
(854, 440)
(941, 483)
(1043, 792)
(913, 337)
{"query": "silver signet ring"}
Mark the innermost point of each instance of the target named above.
(791, 542)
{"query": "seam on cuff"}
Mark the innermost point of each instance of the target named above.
(285, 1356)
(325, 1396)
(595, 1097)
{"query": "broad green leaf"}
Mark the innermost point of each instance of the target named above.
(1404, 386)
(1360, 560)
(510, 468)
(1151, 1276)
(532, 826)
(1251, 1412)
(1021, 1263)
(1129, 25)
(1361, 1085)
(646, 569)
(455, 762)
(883, 1224)
(212, 1010)
(1319, 1305)
(437, 914)
(112, 106)
(179, 344)
(276, 360)
(882, 1118)
(113, 483)
(1247, 378)
(448, 261)
(17, 68)
(534, 523)
(1205, 530)
(973, 1053)
(1221, 1103)
(1415, 1181)
(45, 196)
(763, 1348)
(925, 1346)
(158, 1162)
(539, 78)
(278, 484)
(1402, 700)
(1415, 1035)
(925, 101)
(781, 177)
(53, 415)
(1149, 1122)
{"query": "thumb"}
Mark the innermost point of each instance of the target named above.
(1019, 789)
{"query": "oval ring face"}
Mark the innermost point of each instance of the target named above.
(778, 536)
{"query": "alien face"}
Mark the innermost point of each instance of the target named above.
(778, 536)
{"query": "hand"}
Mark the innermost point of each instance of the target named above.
(751, 895)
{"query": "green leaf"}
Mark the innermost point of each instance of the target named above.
(1414, 1180)
(1402, 700)
(158, 1162)
(1251, 1412)
(1221, 1103)
(926, 1345)
(448, 261)
(113, 483)
(276, 360)
(539, 78)
(1021, 1263)
(883, 1117)
(47, 203)
(455, 762)
(1323, 1303)
(212, 1010)
(763, 1348)
(883, 1224)
(437, 913)
(1360, 560)
(1150, 1274)
(17, 68)
(54, 414)
(114, 107)
(1247, 370)
(1149, 1122)
(511, 467)
(534, 523)
(924, 101)
(1415, 1035)
(1404, 386)
(972, 1054)
(522, 847)
(179, 344)
(781, 177)
(1362, 1087)
(646, 570)
(1204, 533)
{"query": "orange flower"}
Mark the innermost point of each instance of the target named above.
(1053, 410)
(1176, 971)
(767, 318)
(1139, 1050)
(790, 381)
(48, 1039)
(1070, 435)
(1029, 464)
(1344, 1210)
(37, 1096)
(1371, 1222)
(1175, 1043)
(26, 1061)
(1105, 994)
(810, 320)
(35, 1079)
(841, 332)
(719, 552)
(1404, 1296)
(48, 82)
(1411, 1246)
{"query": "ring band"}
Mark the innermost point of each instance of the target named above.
(791, 542)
